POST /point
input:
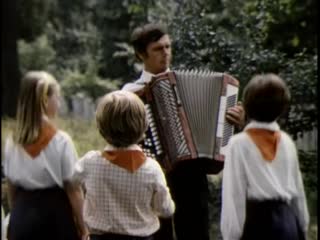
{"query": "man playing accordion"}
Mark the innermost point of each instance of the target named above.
(187, 181)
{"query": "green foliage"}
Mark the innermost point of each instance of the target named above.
(36, 55)
(300, 73)
(294, 19)
(74, 35)
(308, 165)
(32, 18)
(40, 55)
(126, 52)
(88, 83)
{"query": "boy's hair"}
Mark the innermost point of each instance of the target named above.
(36, 87)
(265, 97)
(142, 36)
(121, 118)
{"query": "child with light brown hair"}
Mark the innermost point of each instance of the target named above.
(126, 191)
(262, 191)
(38, 165)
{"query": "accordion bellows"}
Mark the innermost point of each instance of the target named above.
(186, 112)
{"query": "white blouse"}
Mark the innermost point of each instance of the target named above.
(52, 166)
(247, 175)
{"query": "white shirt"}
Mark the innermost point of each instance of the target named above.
(51, 167)
(145, 77)
(118, 201)
(247, 175)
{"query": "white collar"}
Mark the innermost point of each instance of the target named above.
(131, 147)
(273, 126)
(146, 76)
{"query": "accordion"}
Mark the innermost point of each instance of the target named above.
(186, 113)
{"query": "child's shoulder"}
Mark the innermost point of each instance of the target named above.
(62, 135)
(151, 163)
(239, 137)
(285, 135)
(287, 138)
(92, 154)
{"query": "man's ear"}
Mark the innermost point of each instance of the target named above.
(141, 56)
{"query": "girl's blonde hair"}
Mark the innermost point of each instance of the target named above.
(121, 118)
(36, 87)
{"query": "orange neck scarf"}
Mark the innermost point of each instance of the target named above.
(266, 141)
(130, 160)
(46, 134)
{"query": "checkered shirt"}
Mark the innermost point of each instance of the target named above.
(118, 201)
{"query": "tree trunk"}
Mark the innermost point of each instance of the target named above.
(10, 75)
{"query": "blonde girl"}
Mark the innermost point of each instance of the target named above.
(38, 163)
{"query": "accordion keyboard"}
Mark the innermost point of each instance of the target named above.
(152, 146)
(227, 127)
(224, 129)
(165, 101)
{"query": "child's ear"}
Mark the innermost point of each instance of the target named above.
(45, 100)
(45, 103)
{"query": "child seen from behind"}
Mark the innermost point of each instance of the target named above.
(262, 191)
(126, 191)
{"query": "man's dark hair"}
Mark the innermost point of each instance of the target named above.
(142, 36)
(265, 97)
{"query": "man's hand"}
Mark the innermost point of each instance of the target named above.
(236, 115)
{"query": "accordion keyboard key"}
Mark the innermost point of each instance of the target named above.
(221, 116)
(228, 128)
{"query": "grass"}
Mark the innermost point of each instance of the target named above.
(84, 134)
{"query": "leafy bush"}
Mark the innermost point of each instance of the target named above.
(36, 55)
(308, 165)
(88, 83)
